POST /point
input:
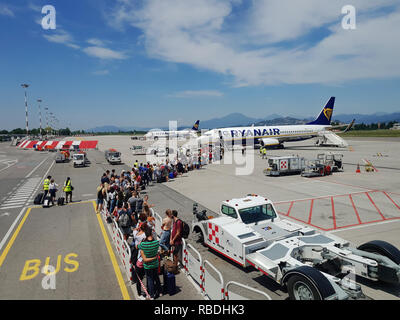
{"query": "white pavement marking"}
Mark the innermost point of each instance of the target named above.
(20, 214)
(5, 214)
(22, 195)
(11, 229)
(9, 165)
(36, 167)
(88, 195)
(12, 207)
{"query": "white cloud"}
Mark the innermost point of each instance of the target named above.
(96, 42)
(6, 11)
(196, 93)
(101, 72)
(34, 7)
(208, 34)
(62, 37)
(104, 53)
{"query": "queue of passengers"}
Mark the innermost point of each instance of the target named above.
(134, 216)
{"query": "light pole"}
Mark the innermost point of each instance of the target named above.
(47, 120)
(25, 86)
(40, 116)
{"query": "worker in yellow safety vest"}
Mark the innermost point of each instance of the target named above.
(136, 164)
(46, 184)
(264, 155)
(68, 189)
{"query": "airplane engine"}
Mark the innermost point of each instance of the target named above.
(266, 142)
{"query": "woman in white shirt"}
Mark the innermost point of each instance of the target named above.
(52, 190)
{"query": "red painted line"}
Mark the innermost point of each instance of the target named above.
(305, 222)
(226, 256)
(372, 201)
(325, 197)
(333, 214)
(311, 208)
(259, 269)
(290, 208)
(355, 209)
(368, 222)
(398, 207)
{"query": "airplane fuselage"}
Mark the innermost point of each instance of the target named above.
(248, 135)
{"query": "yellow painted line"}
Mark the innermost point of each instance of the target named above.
(114, 262)
(66, 204)
(14, 236)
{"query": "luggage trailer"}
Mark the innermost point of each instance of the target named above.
(311, 265)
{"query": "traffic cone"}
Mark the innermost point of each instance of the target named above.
(358, 168)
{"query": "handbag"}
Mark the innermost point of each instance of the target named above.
(170, 266)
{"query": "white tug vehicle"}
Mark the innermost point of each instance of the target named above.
(310, 264)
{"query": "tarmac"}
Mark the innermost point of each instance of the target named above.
(358, 207)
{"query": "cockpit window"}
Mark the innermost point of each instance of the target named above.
(257, 213)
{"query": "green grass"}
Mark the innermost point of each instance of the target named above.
(371, 133)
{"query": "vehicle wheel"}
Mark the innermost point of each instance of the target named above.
(300, 288)
(199, 236)
(155, 138)
(383, 248)
(307, 283)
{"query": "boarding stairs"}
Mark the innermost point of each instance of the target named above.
(328, 138)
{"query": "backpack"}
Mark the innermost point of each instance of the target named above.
(139, 205)
(124, 220)
(185, 230)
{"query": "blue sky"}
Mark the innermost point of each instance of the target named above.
(142, 63)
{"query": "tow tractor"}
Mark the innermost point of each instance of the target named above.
(79, 159)
(333, 160)
(311, 265)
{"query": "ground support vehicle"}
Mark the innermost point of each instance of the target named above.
(311, 265)
(334, 160)
(160, 151)
(62, 156)
(138, 150)
(79, 159)
(113, 156)
(316, 168)
(285, 165)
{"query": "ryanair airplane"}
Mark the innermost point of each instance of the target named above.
(156, 134)
(273, 136)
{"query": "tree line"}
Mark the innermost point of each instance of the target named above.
(371, 126)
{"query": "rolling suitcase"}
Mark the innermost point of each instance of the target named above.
(46, 202)
(170, 282)
(60, 201)
(38, 198)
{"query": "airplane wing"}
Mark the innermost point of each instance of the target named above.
(349, 126)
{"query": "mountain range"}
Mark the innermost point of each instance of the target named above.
(238, 119)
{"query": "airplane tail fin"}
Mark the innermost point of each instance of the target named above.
(196, 126)
(325, 116)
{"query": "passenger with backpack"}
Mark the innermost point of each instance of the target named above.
(179, 231)
(125, 220)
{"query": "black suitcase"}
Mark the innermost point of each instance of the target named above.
(60, 201)
(46, 202)
(38, 198)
